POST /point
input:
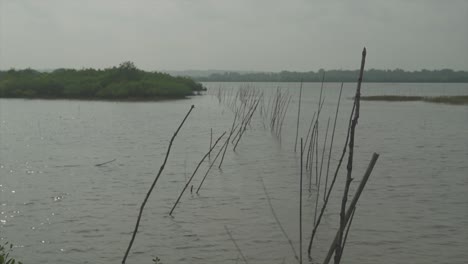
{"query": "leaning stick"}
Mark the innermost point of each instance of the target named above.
(350, 162)
(104, 163)
(194, 172)
(347, 231)
(331, 143)
(278, 221)
(324, 206)
(235, 244)
(320, 175)
(229, 137)
(211, 141)
(353, 203)
(211, 165)
(298, 116)
(300, 207)
(152, 187)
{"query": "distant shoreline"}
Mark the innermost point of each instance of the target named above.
(372, 75)
(453, 100)
(325, 81)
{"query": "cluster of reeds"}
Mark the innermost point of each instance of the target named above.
(244, 105)
(315, 165)
(244, 102)
(278, 105)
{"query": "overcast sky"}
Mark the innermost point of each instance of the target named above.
(260, 35)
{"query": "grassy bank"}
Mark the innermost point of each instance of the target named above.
(456, 100)
(125, 82)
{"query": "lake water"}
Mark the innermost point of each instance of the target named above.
(56, 206)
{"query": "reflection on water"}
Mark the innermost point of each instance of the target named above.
(58, 207)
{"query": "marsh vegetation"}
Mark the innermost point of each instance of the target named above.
(125, 82)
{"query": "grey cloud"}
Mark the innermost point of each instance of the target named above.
(234, 34)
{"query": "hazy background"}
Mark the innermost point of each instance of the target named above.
(261, 35)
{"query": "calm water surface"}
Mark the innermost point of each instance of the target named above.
(56, 206)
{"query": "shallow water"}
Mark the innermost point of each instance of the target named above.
(56, 206)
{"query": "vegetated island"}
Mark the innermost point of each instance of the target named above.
(125, 82)
(372, 75)
(456, 100)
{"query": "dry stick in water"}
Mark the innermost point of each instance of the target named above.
(275, 109)
(152, 187)
(243, 123)
(331, 143)
(193, 174)
(310, 156)
(350, 162)
(347, 231)
(308, 132)
(353, 203)
(300, 207)
(211, 141)
(313, 129)
(104, 163)
(229, 137)
(316, 125)
(246, 123)
(211, 165)
(278, 221)
(324, 206)
(316, 157)
(282, 118)
(323, 152)
(320, 176)
(235, 244)
(298, 116)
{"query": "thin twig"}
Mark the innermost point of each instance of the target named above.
(331, 143)
(353, 203)
(211, 165)
(347, 232)
(229, 137)
(332, 184)
(298, 116)
(320, 176)
(104, 163)
(273, 212)
(349, 166)
(194, 172)
(152, 187)
(235, 244)
(211, 141)
(300, 207)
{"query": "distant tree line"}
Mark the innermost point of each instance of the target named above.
(123, 82)
(372, 75)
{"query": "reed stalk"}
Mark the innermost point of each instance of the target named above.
(235, 244)
(300, 207)
(211, 165)
(193, 174)
(331, 143)
(273, 212)
(353, 203)
(229, 137)
(142, 207)
(211, 141)
(320, 176)
(349, 166)
(298, 117)
(332, 184)
(347, 231)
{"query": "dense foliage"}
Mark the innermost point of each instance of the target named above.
(123, 82)
(371, 75)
